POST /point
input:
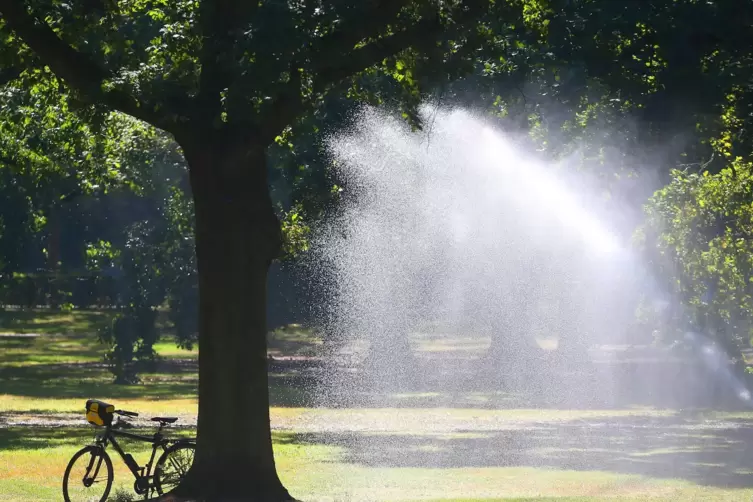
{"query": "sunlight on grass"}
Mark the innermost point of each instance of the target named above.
(169, 349)
(318, 473)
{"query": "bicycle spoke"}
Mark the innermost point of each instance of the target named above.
(178, 465)
(92, 479)
(87, 481)
(174, 467)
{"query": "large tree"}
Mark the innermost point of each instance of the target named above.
(226, 78)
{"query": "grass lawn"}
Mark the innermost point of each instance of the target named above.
(460, 454)
(32, 461)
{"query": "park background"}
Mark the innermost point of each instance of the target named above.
(99, 289)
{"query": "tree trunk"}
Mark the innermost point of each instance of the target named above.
(237, 236)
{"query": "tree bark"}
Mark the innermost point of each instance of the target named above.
(237, 237)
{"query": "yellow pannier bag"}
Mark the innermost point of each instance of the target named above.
(99, 413)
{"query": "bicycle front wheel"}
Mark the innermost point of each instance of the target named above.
(172, 466)
(88, 477)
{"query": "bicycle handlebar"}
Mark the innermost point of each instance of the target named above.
(126, 413)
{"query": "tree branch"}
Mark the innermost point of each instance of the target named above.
(77, 69)
(342, 64)
(332, 59)
(287, 104)
(374, 18)
(222, 23)
(347, 64)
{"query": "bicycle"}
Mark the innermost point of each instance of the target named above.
(171, 467)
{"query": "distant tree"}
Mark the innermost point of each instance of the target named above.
(699, 236)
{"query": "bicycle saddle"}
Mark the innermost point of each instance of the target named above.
(165, 420)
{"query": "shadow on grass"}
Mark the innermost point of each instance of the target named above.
(60, 366)
(49, 321)
(38, 438)
(302, 384)
(58, 348)
(617, 384)
(294, 340)
(88, 380)
(71, 365)
(711, 453)
(175, 380)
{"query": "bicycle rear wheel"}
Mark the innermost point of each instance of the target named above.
(172, 466)
(88, 477)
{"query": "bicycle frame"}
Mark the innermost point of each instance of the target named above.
(143, 475)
